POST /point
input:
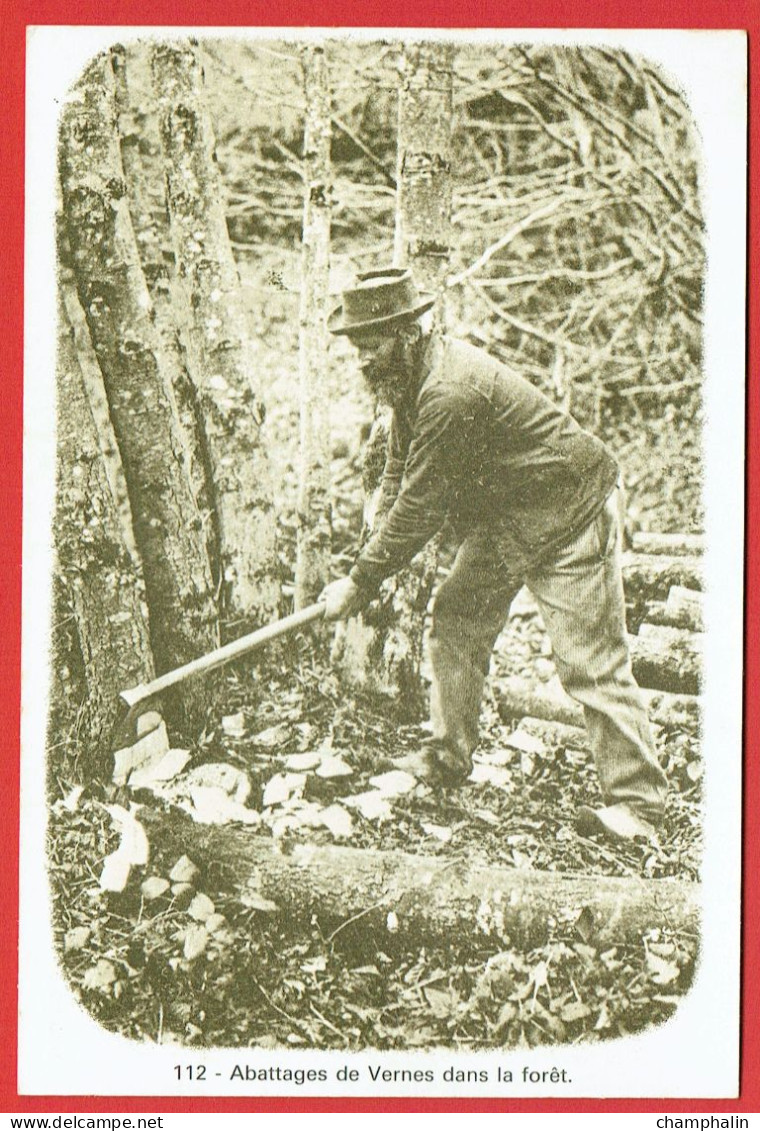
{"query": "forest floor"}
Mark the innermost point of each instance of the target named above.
(177, 957)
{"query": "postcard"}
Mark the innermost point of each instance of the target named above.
(383, 563)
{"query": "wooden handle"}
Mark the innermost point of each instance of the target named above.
(221, 656)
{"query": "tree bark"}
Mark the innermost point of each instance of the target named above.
(420, 898)
(233, 411)
(101, 640)
(423, 215)
(518, 698)
(383, 650)
(669, 659)
(314, 514)
(143, 163)
(111, 286)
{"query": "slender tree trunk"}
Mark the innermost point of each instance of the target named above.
(423, 215)
(383, 650)
(143, 163)
(233, 412)
(314, 518)
(100, 639)
(167, 524)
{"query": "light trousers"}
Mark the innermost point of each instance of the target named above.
(580, 596)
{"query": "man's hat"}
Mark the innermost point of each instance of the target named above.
(381, 298)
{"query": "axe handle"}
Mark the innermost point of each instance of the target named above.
(220, 656)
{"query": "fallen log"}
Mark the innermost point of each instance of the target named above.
(518, 697)
(417, 898)
(683, 609)
(653, 575)
(677, 545)
(669, 659)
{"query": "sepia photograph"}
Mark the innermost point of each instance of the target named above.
(377, 482)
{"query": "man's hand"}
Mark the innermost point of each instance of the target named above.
(342, 599)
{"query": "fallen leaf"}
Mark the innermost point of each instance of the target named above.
(184, 871)
(100, 977)
(496, 758)
(337, 821)
(114, 875)
(133, 849)
(154, 887)
(301, 763)
(487, 817)
(71, 800)
(694, 771)
(76, 938)
(201, 907)
(315, 965)
(394, 783)
(603, 1019)
(372, 805)
(527, 763)
(440, 1001)
(234, 725)
(281, 787)
(483, 774)
(661, 971)
(333, 766)
(525, 742)
(272, 736)
(210, 805)
(183, 894)
(575, 1011)
(440, 832)
(215, 922)
(540, 975)
(195, 942)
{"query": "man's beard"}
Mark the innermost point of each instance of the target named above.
(390, 373)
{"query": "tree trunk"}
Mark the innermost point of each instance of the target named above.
(383, 650)
(650, 576)
(683, 609)
(111, 286)
(669, 659)
(223, 356)
(676, 545)
(517, 698)
(421, 898)
(423, 215)
(143, 163)
(100, 639)
(314, 520)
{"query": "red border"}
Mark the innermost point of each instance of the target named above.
(14, 19)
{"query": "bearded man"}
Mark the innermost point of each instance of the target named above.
(534, 500)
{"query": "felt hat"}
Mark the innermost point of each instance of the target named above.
(380, 298)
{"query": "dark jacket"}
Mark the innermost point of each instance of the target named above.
(480, 445)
